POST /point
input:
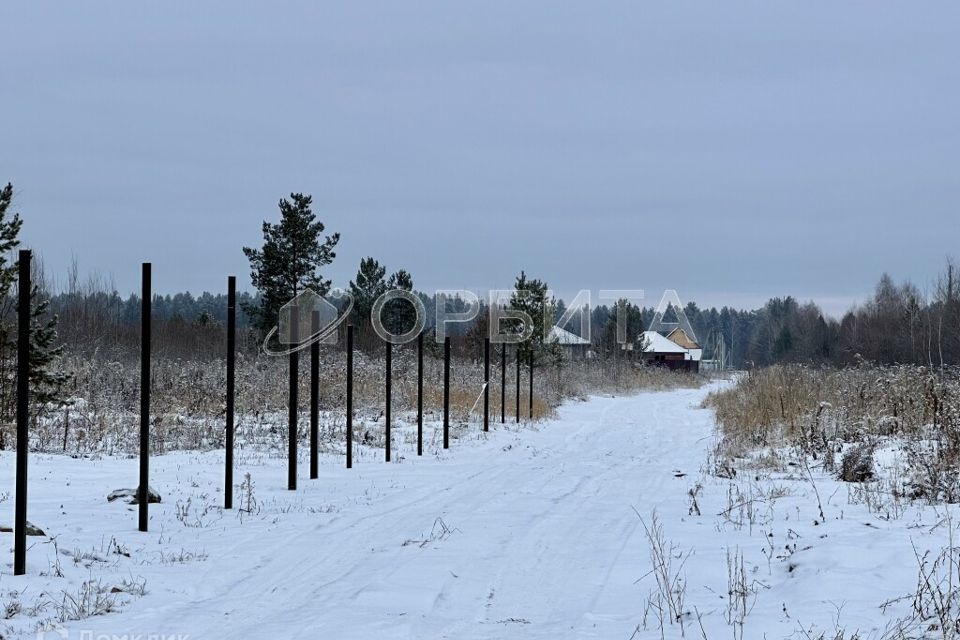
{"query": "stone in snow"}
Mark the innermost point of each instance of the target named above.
(32, 529)
(130, 496)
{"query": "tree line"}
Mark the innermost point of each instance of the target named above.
(898, 324)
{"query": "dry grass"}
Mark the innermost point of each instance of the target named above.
(799, 404)
(819, 413)
(188, 397)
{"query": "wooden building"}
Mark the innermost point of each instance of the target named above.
(677, 351)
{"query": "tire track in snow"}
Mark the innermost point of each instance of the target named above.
(546, 542)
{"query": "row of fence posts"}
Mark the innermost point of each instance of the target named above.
(143, 490)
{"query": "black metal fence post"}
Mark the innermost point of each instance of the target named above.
(530, 398)
(518, 382)
(314, 396)
(388, 392)
(446, 392)
(294, 406)
(349, 396)
(146, 303)
(420, 394)
(503, 383)
(486, 384)
(23, 408)
(231, 384)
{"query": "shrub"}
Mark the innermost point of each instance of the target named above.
(857, 464)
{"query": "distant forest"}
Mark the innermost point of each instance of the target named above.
(898, 324)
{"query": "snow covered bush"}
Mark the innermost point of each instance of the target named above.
(857, 464)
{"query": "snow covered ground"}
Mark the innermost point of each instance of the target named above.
(530, 532)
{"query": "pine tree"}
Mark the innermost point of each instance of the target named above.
(48, 380)
(633, 327)
(559, 309)
(400, 280)
(535, 304)
(290, 260)
(399, 316)
(366, 288)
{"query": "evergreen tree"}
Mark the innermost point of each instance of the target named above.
(290, 260)
(599, 318)
(633, 326)
(366, 288)
(783, 345)
(47, 377)
(400, 280)
(535, 304)
(558, 310)
(399, 316)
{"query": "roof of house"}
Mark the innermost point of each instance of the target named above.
(656, 343)
(680, 336)
(562, 336)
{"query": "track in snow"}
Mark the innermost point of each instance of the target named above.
(541, 538)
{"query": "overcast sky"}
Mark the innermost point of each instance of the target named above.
(730, 150)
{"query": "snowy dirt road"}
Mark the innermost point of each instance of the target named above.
(525, 533)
